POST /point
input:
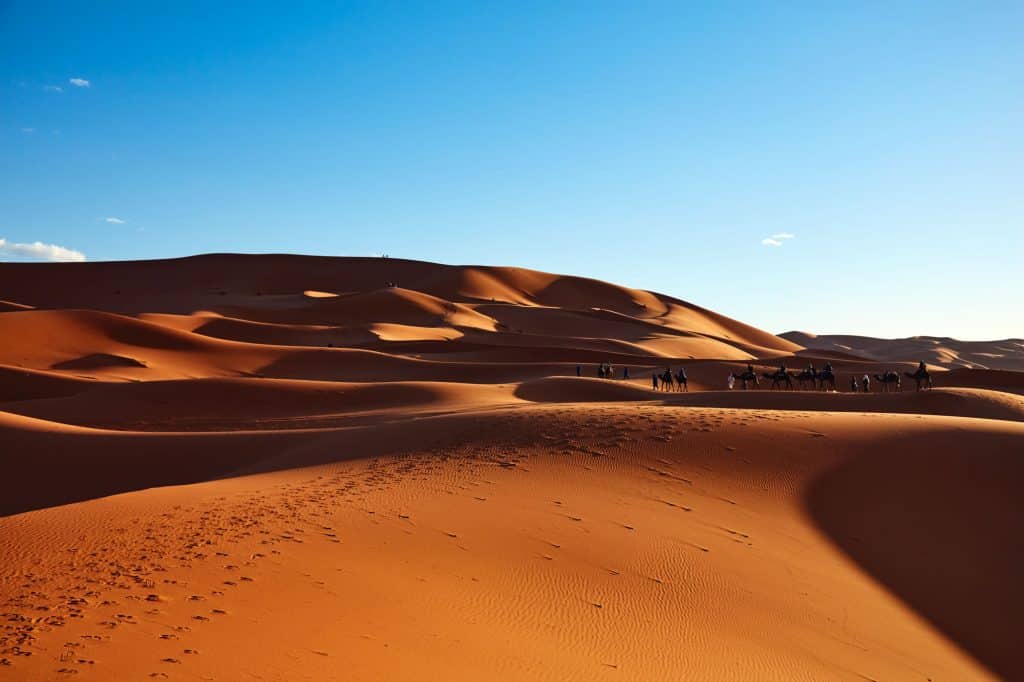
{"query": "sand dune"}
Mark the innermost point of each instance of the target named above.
(283, 467)
(1007, 354)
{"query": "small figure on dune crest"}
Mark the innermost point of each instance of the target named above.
(731, 381)
(682, 380)
(625, 373)
(866, 383)
(654, 380)
(853, 383)
(579, 371)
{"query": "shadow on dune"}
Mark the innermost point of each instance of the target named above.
(581, 390)
(99, 361)
(942, 529)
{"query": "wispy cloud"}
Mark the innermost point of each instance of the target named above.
(28, 130)
(114, 221)
(79, 82)
(777, 239)
(39, 251)
(53, 88)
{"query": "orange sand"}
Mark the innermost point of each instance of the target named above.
(278, 468)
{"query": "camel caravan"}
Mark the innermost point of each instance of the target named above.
(809, 378)
(825, 380)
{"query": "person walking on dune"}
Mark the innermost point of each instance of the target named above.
(654, 380)
(731, 381)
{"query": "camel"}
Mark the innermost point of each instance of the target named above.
(778, 378)
(746, 377)
(681, 381)
(827, 376)
(666, 380)
(921, 377)
(805, 377)
(887, 379)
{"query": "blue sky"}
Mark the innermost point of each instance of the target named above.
(653, 145)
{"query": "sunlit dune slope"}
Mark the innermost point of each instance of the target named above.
(553, 542)
(273, 289)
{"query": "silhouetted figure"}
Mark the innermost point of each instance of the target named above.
(921, 377)
(865, 382)
(890, 381)
(579, 370)
(853, 383)
(681, 380)
(654, 380)
(827, 376)
(625, 372)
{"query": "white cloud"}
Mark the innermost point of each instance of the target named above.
(777, 239)
(79, 82)
(39, 251)
(28, 130)
(53, 88)
(115, 221)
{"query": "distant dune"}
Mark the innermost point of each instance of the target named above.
(289, 467)
(941, 351)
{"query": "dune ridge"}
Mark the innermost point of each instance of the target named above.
(1006, 354)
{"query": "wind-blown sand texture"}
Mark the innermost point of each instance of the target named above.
(284, 468)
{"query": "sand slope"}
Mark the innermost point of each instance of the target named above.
(284, 467)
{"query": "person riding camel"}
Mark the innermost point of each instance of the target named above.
(922, 368)
(750, 369)
(828, 368)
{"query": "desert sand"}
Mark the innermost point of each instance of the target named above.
(944, 351)
(299, 468)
